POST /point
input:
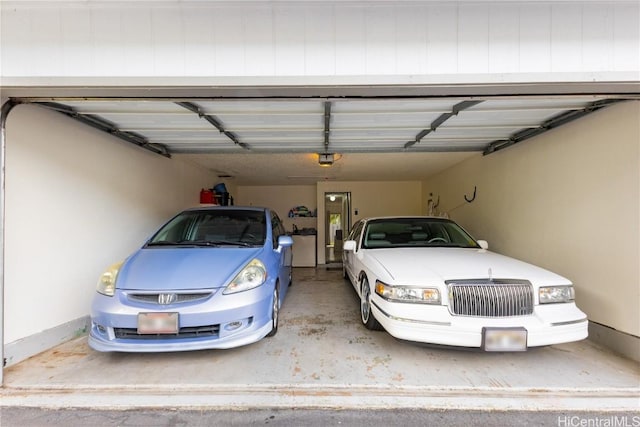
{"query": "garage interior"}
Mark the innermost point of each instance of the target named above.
(547, 172)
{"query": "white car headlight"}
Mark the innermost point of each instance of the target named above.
(252, 276)
(408, 294)
(107, 282)
(555, 294)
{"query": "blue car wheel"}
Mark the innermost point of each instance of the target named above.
(275, 312)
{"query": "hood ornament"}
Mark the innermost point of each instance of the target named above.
(490, 275)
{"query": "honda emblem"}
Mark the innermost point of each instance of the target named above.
(166, 299)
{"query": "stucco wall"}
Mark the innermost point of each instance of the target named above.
(77, 200)
(567, 200)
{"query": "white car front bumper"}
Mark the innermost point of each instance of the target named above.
(549, 324)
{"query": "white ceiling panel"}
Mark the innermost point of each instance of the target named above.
(404, 106)
(262, 120)
(251, 107)
(502, 117)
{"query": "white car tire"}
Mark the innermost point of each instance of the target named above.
(368, 320)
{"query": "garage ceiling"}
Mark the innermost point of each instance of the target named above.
(278, 141)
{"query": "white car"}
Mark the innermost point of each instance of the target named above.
(426, 279)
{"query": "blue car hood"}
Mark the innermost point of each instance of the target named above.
(183, 268)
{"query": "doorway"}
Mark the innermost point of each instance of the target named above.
(337, 206)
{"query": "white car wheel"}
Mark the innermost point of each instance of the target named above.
(368, 320)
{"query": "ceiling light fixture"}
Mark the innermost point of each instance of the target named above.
(325, 160)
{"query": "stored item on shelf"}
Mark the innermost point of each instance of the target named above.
(300, 211)
(206, 196)
(220, 188)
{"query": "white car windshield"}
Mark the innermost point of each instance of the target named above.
(421, 232)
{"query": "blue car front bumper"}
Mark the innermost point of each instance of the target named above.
(219, 322)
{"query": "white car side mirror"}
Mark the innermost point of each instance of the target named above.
(483, 244)
(349, 245)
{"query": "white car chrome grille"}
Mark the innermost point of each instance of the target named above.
(497, 298)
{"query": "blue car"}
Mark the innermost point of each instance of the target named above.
(212, 277)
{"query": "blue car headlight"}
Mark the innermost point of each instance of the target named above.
(252, 275)
(107, 282)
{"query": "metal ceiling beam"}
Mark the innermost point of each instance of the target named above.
(214, 121)
(440, 120)
(554, 122)
(405, 86)
(327, 121)
(103, 125)
(284, 149)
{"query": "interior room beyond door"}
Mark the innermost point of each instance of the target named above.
(337, 206)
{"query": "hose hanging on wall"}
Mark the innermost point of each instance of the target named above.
(469, 200)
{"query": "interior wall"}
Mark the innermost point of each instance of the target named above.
(369, 199)
(567, 200)
(77, 200)
(281, 199)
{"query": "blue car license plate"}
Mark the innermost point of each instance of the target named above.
(157, 323)
(504, 339)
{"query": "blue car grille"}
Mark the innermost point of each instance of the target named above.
(497, 298)
(154, 298)
(186, 332)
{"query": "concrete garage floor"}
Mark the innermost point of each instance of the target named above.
(322, 357)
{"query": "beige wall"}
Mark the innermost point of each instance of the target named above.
(567, 200)
(371, 199)
(77, 200)
(368, 198)
(281, 199)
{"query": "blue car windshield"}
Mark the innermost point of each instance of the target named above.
(213, 228)
(421, 232)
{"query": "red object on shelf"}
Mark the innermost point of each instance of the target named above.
(206, 196)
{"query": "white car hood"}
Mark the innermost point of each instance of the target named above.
(420, 265)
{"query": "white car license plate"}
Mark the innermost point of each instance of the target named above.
(504, 339)
(157, 323)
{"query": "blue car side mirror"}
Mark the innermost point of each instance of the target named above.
(284, 241)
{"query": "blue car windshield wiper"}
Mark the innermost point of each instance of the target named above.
(197, 243)
(184, 243)
(162, 243)
(229, 243)
(206, 242)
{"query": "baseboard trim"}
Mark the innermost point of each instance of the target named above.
(622, 343)
(24, 348)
